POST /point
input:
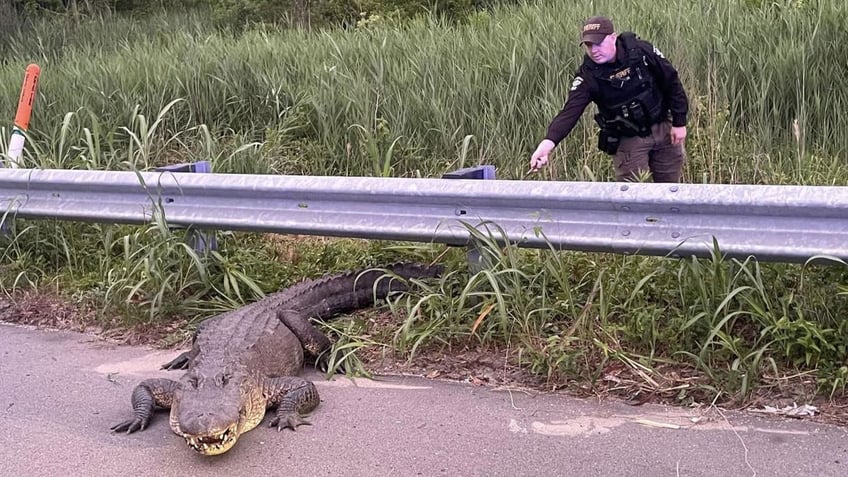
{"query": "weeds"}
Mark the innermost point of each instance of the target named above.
(575, 319)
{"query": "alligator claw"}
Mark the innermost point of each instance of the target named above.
(288, 420)
(130, 425)
(322, 364)
(180, 362)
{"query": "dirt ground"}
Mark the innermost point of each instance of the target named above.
(469, 363)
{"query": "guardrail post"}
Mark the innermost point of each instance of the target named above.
(200, 240)
(483, 172)
(486, 172)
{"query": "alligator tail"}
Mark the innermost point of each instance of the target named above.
(348, 291)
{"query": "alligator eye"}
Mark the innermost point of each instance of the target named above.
(223, 379)
(193, 382)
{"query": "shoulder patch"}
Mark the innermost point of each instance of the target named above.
(578, 80)
(658, 52)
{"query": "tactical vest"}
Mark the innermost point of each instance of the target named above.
(629, 101)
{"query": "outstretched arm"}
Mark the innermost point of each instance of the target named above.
(579, 96)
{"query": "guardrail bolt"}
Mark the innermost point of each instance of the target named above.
(625, 233)
(673, 188)
(675, 234)
(624, 188)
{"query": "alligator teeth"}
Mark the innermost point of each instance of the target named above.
(211, 444)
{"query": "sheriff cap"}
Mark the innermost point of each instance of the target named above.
(596, 29)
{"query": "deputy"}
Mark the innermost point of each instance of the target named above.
(641, 102)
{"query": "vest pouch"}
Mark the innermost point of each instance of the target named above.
(640, 117)
(637, 113)
(608, 143)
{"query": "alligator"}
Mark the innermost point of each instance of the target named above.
(246, 361)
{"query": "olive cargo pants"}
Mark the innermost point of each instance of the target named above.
(654, 153)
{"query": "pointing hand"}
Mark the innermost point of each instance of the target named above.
(539, 159)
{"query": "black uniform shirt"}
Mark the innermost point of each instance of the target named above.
(585, 90)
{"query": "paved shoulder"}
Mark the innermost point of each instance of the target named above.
(60, 392)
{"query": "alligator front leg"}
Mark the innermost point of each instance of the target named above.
(293, 397)
(148, 394)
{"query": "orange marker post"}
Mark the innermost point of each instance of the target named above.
(22, 117)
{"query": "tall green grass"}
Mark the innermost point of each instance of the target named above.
(760, 79)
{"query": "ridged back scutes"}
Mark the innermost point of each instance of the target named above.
(227, 336)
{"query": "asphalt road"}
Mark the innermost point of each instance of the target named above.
(60, 392)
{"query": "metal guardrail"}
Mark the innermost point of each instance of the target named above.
(780, 223)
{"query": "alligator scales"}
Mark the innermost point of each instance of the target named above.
(246, 361)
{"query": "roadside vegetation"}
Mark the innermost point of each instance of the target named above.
(411, 95)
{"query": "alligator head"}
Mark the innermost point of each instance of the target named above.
(212, 411)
